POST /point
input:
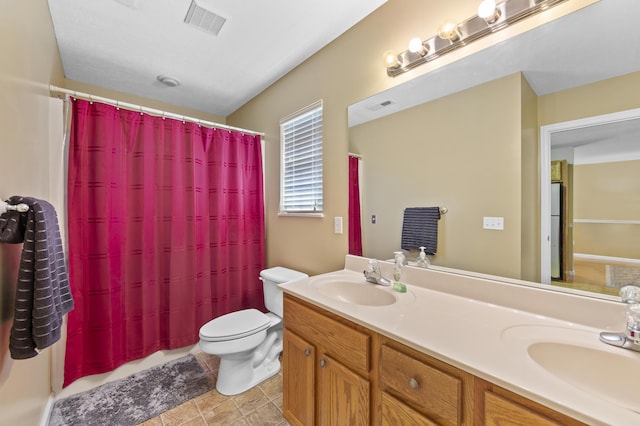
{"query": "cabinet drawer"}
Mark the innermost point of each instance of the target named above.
(499, 411)
(337, 339)
(395, 413)
(428, 389)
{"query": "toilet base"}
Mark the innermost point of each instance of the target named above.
(240, 372)
(229, 383)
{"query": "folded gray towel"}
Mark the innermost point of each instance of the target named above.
(43, 295)
(420, 228)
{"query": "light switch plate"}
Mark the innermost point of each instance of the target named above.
(337, 224)
(494, 223)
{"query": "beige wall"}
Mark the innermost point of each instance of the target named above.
(607, 191)
(30, 62)
(462, 152)
(612, 95)
(530, 190)
(344, 72)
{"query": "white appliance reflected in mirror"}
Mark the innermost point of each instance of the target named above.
(556, 231)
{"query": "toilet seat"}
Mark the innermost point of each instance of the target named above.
(235, 325)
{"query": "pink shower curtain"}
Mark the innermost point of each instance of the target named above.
(166, 232)
(355, 226)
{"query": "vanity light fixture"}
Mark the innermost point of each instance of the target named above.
(488, 11)
(491, 17)
(391, 60)
(448, 30)
(416, 46)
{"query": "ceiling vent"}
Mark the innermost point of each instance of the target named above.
(204, 19)
(377, 107)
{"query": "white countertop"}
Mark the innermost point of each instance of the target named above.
(485, 327)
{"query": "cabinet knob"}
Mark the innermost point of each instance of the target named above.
(322, 363)
(413, 383)
(307, 352)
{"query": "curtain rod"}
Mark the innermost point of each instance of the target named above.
(151, 111)
(351, 154)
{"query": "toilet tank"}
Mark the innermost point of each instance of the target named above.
(272, 294)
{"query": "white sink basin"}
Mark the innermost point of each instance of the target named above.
(612, 376)
(359, 293)
(578, 358)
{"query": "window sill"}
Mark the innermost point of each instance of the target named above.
(300, 214)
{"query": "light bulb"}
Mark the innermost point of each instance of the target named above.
(416, 46)
(448, 30)
(488, 11)
(391, 59)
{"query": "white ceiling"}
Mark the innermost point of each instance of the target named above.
(617, 140)
(124, 45)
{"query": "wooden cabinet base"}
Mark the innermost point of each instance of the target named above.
(337, 372)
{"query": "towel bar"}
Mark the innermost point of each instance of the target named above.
(5, 207)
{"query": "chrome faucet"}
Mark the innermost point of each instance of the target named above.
(373, 275)
(630, 338)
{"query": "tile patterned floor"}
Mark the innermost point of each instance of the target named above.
(261, 405)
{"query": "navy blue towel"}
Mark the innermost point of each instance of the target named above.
(420, 228)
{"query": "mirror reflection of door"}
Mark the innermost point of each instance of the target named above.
(601, 195)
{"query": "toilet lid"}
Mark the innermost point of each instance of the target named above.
(235, 325)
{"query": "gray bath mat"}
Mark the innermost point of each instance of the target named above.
(136, 398)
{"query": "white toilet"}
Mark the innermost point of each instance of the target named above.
(249, 342)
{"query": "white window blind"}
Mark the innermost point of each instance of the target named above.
(301, 173)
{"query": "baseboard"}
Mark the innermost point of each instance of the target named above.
(46, 413)
(605, 259)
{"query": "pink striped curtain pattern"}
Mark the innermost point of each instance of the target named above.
(166, 232)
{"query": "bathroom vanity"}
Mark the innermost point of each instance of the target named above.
(453, 350)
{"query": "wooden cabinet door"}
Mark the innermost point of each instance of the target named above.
(298, 358)
(343, 396)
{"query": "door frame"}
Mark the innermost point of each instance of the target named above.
(546, 134)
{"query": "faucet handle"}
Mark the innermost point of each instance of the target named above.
(633, 322)
(373, 267)
(630, 294)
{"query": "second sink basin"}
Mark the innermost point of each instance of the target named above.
(357, 293)
(578, 358)
(611, 376)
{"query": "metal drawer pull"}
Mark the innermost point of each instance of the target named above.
(413, 383)
(322, 363)
(307, 352)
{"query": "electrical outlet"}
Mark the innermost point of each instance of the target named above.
(494, 223)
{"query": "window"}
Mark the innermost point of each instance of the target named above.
(301, 162)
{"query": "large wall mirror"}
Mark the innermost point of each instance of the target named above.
(469, 137)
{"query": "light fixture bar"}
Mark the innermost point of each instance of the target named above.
(474, 28)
